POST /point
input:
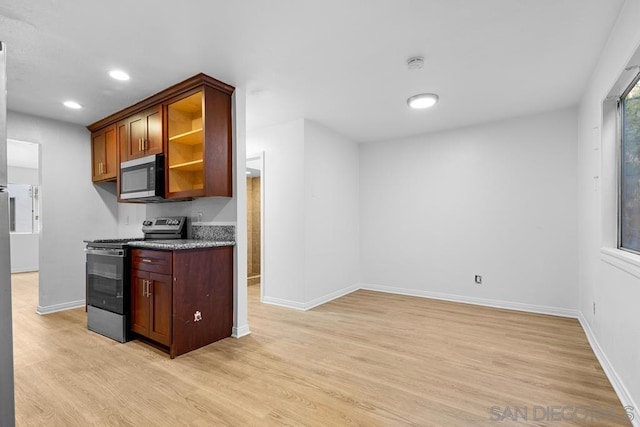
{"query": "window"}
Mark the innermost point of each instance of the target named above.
(629, 202)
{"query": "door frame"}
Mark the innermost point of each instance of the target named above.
(263, 280)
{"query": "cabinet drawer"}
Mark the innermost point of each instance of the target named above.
(150, 260)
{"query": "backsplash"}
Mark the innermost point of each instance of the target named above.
(217, 233)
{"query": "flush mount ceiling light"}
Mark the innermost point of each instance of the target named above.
(72, 104)
(119, 75)
(422, 101)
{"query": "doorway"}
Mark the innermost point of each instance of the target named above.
(255, 223)
(23, 176)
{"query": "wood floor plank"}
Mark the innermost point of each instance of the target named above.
(368, 358)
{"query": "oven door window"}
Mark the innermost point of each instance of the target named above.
(105, 282)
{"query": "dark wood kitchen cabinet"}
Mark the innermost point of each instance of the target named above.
(104, 150)
(199, 144)
(151, 295)
(191, 123)
(182, 299)
(143, 135)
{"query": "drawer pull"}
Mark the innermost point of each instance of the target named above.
(147, 260)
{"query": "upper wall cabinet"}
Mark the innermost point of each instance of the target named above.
(199, 144)
(190, 123)
(144, 133)
(104, 157)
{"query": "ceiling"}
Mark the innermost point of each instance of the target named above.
(339, 63)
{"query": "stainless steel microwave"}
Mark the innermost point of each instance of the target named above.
(142, 180)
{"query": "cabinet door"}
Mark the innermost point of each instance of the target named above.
(111, 149)
(153, 130)
(160, 317)
(140, 311)
(122, 139)
(135, 129)
(145, 133)
(103, 154)
(98, 144)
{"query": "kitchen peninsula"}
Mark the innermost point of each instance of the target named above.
(174, 292)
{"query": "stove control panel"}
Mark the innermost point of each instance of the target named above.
(172, 224)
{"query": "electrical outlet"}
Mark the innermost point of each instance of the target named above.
(478, 279)
(594, 308)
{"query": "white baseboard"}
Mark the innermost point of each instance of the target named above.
(24, 270)
(59, 307)
(304, 306)
(241, 331)
(616, 381)
(330, 297)
(530, 308)
(283, 303)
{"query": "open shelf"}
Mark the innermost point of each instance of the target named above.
(189, 138)
(193, 166)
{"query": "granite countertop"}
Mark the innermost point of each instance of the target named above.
(204, 236)
(180, 244)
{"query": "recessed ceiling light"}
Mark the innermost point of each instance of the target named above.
(119, 75)
(424, 100)
(72, 104)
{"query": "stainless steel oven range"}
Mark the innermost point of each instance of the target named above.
(107, 277)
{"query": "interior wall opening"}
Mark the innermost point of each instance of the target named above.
(254, 223)
(23, 176)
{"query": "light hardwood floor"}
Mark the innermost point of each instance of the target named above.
(365, 359)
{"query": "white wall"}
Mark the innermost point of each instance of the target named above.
(498, 200)
(311, 246)
(332, 243)
(72, 208)
(130, 217)
(24, 252)
(608, 277)
(20, 175)
(283, 204)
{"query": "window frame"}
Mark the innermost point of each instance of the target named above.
(620, 160)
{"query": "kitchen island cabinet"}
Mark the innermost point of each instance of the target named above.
(182, 299)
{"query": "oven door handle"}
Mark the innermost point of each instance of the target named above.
(105, 252)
